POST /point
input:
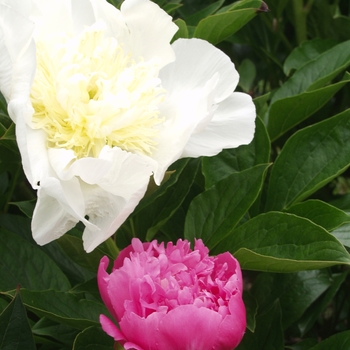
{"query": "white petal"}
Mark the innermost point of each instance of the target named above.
(60, 206)
(51, 17)
(196, 62)
(232, 125)
(32, 144)
(128, 172)
(17, 59)
(66, 166)
(116, 196)
(112, 17)
(151, 30)
(114, 211)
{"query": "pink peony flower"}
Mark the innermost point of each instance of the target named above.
(173, 298)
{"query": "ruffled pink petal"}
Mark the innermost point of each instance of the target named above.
(189, 327)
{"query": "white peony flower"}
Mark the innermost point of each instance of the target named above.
(102, 101)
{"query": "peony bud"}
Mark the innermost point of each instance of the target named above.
(173, 298)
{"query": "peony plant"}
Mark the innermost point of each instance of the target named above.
(102, 101)
(173, 297)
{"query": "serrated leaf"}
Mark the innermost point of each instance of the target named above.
(15, 332)
(276, 242)
(310, 158)
(213, 214)
(237, 159)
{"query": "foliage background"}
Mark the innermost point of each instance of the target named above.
(281, 204)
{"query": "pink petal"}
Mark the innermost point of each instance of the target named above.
(189, 327)
(102, 281)
(232, 328)
(111, 329)
(143, 331)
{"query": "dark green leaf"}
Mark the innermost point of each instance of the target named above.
(15, 332)
(313, 156)
(317, 72)
(64, 307)
(93, 338)
(23, 263)
(219, 27)
(340, 341)
(306, 52)
(320, 213)
(213, 214)
(268, 333)
(295, 291)
(313, 312)
(277, 242)
(290, 111)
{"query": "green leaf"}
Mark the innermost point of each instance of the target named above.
(268, 333)
(15, 332)
(171, 7)
(72, 246)
(8, 138)
(306, 52)
(342, 233)
(310, 158)
(26, 207)
(241, 4)
(93, 338)
(63, 307)
(219, 27)
(316, 73)
(313, 312)
(61, 333)
(237, 159)
(213, 214)
(207, 11)
(290, 111)
(252, 309)
(23, 263)
(320, 213)
(295, 291)
(247, 74)
(340, 341)
(277, 242)
(183, 31)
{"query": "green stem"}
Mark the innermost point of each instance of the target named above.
(300, 15)
(112, 247)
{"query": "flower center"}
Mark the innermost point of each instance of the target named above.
(88, 93)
